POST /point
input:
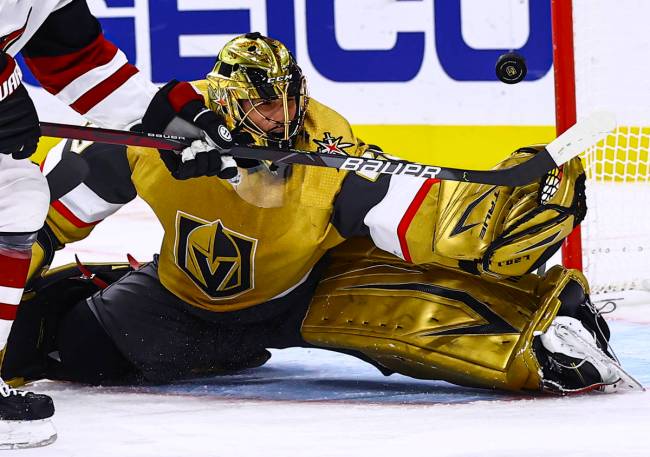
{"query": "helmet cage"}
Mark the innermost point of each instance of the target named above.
(226, 94)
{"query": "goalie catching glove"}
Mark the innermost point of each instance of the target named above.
(19, 128)
(510, 231)
(177, 109)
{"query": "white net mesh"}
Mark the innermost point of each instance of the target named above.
(616, 233)
(612, 62)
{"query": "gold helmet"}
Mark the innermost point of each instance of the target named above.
(252, 72)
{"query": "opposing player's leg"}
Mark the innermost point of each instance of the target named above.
(56, 305)
(532, 333)
(24, 199)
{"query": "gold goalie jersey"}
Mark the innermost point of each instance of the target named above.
(222, 251)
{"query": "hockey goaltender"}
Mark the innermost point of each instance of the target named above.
(427, 278)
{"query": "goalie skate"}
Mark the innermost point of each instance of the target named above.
(24, 419)
(574, 348)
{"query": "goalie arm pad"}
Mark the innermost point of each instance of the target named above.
(510, 231)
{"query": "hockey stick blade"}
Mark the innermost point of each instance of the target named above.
(564, 148)
(581, 136)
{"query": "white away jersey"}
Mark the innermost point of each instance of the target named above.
(64, 47)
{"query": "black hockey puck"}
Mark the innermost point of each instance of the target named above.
(511, 68)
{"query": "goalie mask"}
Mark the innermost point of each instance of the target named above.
(257, 87)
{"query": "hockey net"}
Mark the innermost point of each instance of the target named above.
(611, 57)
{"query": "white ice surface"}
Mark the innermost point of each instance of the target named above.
(316, 403)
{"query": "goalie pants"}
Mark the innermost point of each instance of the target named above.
(135, 330)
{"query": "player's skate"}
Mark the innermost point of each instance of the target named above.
(24, 419)
(576, 363)
(574, 351)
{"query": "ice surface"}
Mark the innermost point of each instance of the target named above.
(316, 403)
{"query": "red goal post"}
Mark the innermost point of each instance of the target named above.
(565, 101)
(601, 52)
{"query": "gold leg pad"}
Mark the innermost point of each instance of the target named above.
(436, 323)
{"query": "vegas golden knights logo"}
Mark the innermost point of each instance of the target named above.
(220, 261)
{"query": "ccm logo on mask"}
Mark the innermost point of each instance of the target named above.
(279, 79)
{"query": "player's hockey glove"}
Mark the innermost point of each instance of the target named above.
(19, 128)
(177, 109)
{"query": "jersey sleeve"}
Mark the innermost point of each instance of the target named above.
(88, 182)
(393, 211)
(72, 59)
(387, 209)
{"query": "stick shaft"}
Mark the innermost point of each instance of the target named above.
(523, 173)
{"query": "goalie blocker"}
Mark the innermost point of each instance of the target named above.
(428, 323)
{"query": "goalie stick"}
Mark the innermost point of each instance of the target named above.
(565, 147)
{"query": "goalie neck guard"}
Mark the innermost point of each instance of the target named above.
(251, 76)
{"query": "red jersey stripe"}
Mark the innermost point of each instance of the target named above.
(410, 213)
(8, 312)
(181, 94)
(102, 90)
(54, 73)
(70, 217)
